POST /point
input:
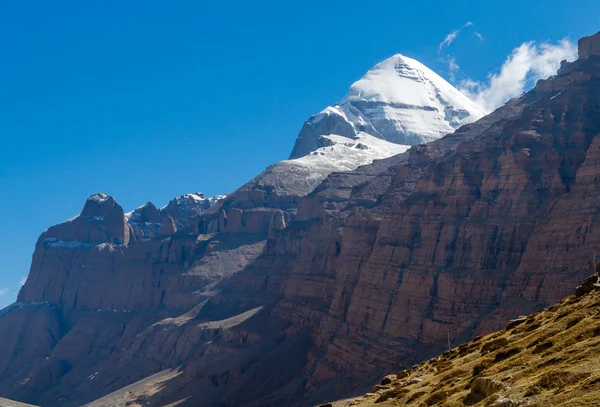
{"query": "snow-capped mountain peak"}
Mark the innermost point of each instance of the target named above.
(399, 100)
(403, 80)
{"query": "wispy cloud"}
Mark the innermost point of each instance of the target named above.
(23, 280)
(524, 66)
(3, 292)
(452, 35)
(453, 68)
(448, 40)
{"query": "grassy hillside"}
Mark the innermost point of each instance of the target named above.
(551, 358)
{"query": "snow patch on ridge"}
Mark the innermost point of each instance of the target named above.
(100, 197)
(337, 154)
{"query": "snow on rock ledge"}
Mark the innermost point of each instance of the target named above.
(333, 153)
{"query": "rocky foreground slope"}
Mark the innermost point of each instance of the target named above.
(549, 358)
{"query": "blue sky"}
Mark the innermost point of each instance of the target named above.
(148, 100)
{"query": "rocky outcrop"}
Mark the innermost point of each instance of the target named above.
(589, 46)
(330, 121)
(255, 221)
(185, 207)
(146, 221)
(168, 227)
(101, 221)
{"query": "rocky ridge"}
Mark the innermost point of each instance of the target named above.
(147, 221)
(252, 305)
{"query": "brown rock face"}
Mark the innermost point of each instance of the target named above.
(168, 227)
(146, 221)
(109, 301)
(258, 221)
(589, 46)
(375, 271)
(487, 224)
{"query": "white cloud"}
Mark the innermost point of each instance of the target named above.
(3, 292)
(524, 66)
(23, 280)
(479, 36)
(453, 68)
(448, 40)
(452, 35)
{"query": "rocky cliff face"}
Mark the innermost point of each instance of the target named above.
(543, 359)
(268, 299)
(589, 46)
(97, 283)
(452, 240)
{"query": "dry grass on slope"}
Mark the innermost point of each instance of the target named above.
(551, 358)
(11, 403)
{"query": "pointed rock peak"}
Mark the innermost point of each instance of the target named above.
(100, 205)
(589, 46)
(186, 206)
(150, 211)
(196, 196)
(145, 213)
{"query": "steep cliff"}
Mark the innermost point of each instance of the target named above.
(372, 270)
(457, 237)
(544, 359)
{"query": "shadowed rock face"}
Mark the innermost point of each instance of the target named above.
(96, 297)
(378, 268)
